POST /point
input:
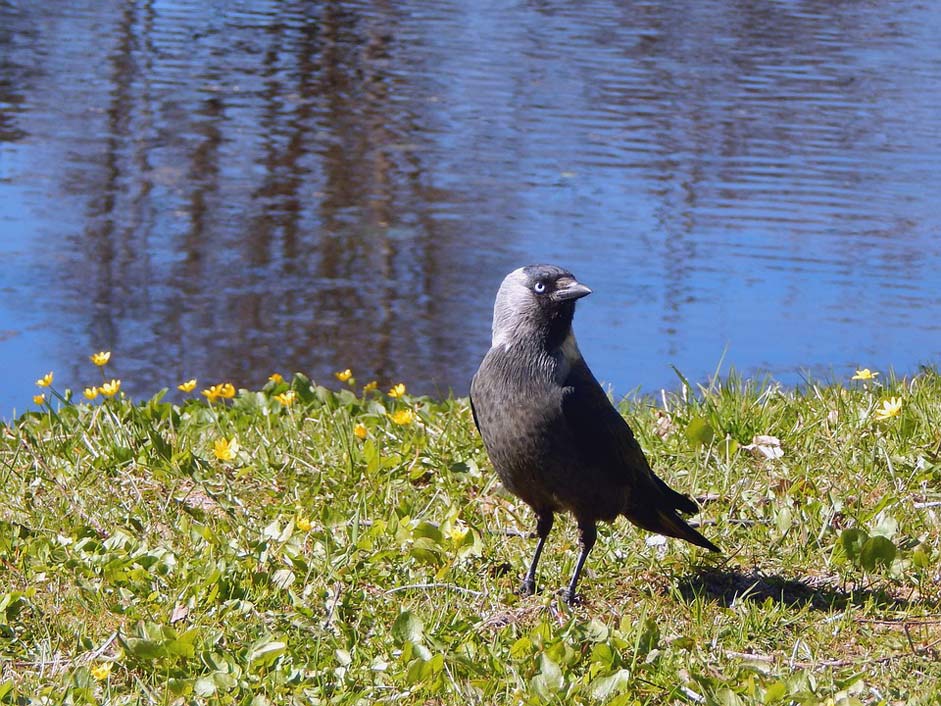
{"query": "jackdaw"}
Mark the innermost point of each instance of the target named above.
(554, 438)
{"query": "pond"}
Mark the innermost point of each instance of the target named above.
(223, 190)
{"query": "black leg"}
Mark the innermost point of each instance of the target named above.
(587, 536)
(543, 527)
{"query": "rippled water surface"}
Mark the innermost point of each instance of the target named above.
(227, 189)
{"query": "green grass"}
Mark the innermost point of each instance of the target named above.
(316, 567)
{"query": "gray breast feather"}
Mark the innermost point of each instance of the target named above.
(521, 415)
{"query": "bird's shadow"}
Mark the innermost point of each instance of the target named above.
(727, 587)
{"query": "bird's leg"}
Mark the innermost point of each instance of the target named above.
(543, 527)
(587, 536)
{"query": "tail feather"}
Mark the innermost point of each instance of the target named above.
(659, 513)
(683, 503)
(672, 525)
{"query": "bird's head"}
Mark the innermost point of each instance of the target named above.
(535, 304)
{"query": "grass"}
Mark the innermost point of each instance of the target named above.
(257, 551)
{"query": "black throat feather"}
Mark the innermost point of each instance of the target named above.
(559, 324)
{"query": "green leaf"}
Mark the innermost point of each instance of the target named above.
(427, 551)
(144, 649)
(265, 652)
(11, 604)
(371, 455)
(273, 530)
(921, 557)
(852, 541)
(727, 697)
(775, 692)
(877, 550)
(603, 655)
(648, 635)
(204, 686)
(181, 648)
(422, 669)
(521, 648)
(407, 627)
(603, 688)
(549, 680)
(729, 447)
(160, 445)
(224, 681)
(346, 398)
(470, 545)
(6, 688)
(436, 663)
(886, 526)
(596, 631)
(428, 530)
(699, 432)
(415, 672)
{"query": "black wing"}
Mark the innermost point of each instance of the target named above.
(604, 439)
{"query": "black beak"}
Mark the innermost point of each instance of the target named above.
(570, 288)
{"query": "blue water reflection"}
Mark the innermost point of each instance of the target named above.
(227, 189)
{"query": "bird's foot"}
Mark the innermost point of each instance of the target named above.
(571, 598)
(528, 588)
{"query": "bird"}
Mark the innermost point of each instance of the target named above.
(554, 438)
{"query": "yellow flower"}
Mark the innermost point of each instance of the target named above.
(187, 386)
(287, 398)
(45, 380)
(402, 416)
(398, 390)
(225, 450)
(458, 532)
(101, 358)
(891, 407)
(225, 390)
(275, 378)
(370, 386)
(359, 431)
(303, 524)
(344, 375)
(90, 393)
(101, 671)
(110, 389)
(865, 374)
(39, 399)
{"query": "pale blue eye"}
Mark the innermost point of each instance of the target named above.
(539, 287)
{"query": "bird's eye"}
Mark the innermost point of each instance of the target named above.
(539, 287)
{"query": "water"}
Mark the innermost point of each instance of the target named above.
(228, 189)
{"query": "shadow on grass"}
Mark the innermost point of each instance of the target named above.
(731, 586)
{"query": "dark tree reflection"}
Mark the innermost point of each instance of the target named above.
(228, 189)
